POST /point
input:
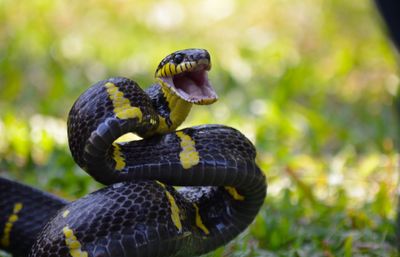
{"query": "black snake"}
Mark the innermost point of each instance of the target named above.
(219, 190)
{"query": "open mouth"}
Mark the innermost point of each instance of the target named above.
(191, 83)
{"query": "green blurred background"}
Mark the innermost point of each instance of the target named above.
(310, 82)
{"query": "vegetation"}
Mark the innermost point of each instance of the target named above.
(309, 82)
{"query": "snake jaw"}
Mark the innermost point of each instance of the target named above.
(195, 87)
(192, 84)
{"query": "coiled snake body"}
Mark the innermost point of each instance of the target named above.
(139, 213)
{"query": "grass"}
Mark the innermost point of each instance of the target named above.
(311, 83)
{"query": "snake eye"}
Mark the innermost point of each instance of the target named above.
(178, 58)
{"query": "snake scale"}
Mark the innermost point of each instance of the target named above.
(172, 193)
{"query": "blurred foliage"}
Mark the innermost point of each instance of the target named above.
(310, 82)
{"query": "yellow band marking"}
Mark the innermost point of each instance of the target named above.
(199, 221)
(122, 106)
(189, 155)
(188, 66)
(160, 183)
(172, 68)
(179, 68)
(234, 193)
(179, 109)
(65, 213)
(175, 212)
(166, 69)
(5, 240)
(73, 244)
(118, 157)
(162, 71)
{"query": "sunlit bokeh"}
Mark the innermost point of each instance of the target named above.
(311, 83)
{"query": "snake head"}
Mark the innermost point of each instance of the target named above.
(184, 73)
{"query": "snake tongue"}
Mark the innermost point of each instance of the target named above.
(194, 87)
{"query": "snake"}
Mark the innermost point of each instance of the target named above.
(170, 193)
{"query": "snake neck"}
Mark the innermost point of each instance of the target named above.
(171, 109)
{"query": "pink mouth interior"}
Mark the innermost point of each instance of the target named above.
(193, 86)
